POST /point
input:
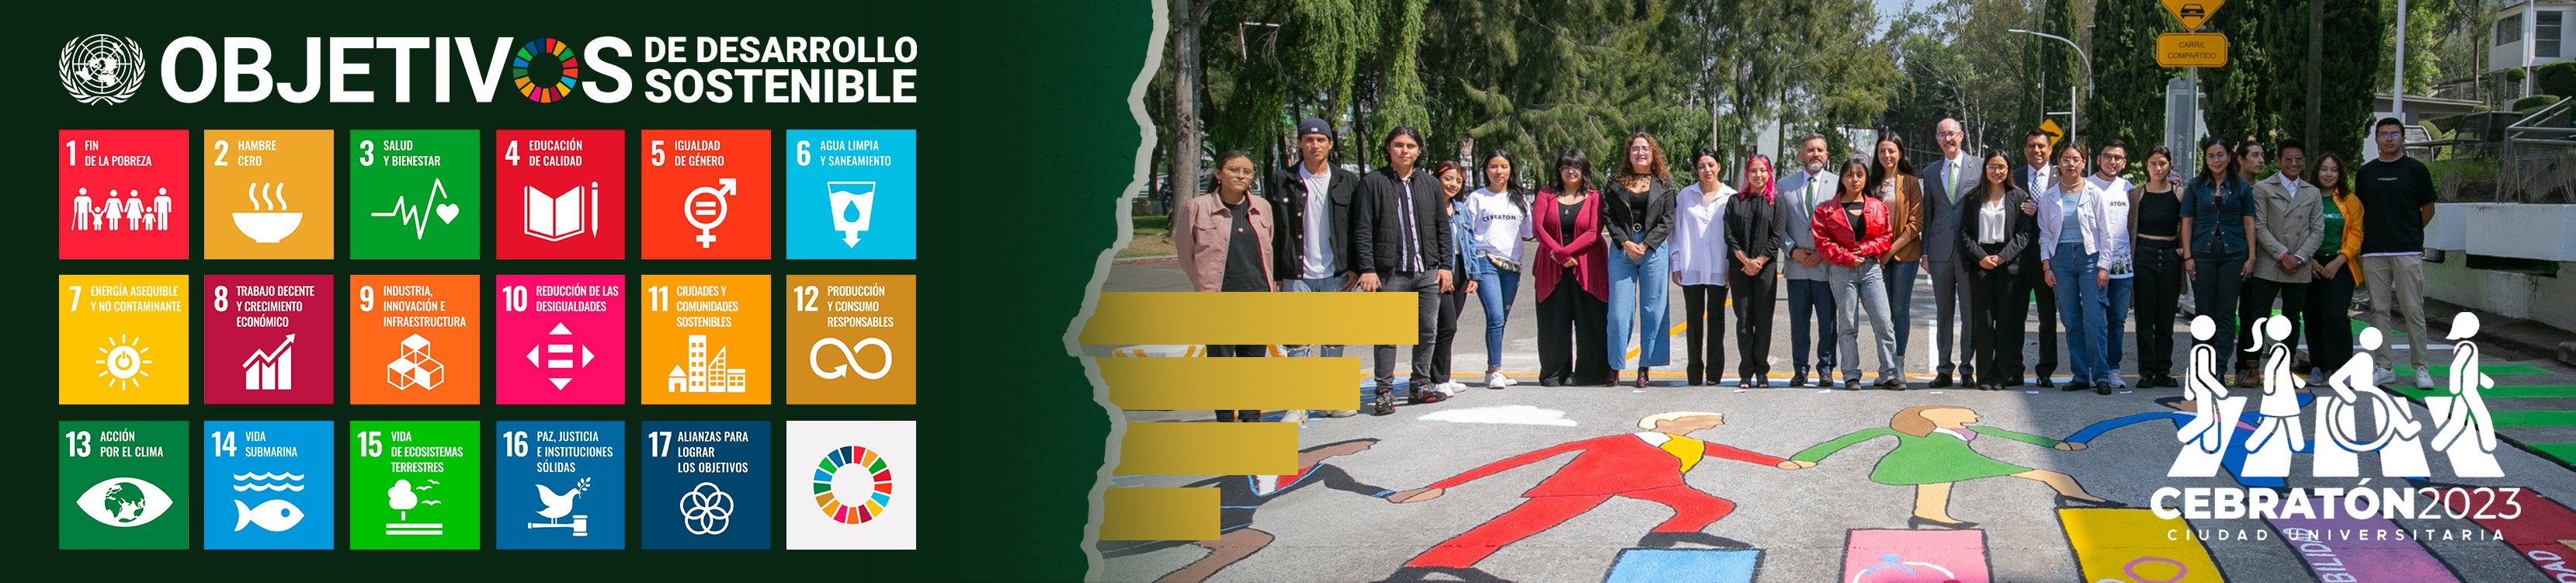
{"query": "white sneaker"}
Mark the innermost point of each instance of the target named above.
(1507, 381)
(2423, 379)
(2116, 381)
(1293, 416)
(2382, 377)
(1495, 380)
(1448, 389)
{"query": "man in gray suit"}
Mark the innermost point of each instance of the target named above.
(1945, 182)
(1811, 299)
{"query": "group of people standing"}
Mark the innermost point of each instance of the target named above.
(2064, 231)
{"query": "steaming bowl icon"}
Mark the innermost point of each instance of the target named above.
(267, 227)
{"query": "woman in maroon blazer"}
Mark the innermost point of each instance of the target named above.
(1573, 278)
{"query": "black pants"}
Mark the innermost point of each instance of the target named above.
(1996, 307)
(2046, 300)
(1445, 332)
(1704, 316)
(1235, 350)
(1756, 297)
(1952, 292)
(2259, 294)
(1572, 325)
(1426, 310)
(2329, 319)
(2214, 289)
(2158, 293)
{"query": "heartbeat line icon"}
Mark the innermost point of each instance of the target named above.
(417, 215)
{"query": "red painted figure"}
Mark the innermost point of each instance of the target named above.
(1647, 465)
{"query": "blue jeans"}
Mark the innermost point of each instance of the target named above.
(1329, 283)
(1859, 290)
(2079, 308)
(1496, 289)
(1900, 301)
(2115, 315)
(1811, 300)
(1637, 288)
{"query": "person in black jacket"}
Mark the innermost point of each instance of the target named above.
(1639, 213)
(1995, 244)
(1400, 243)
(1755, 230)
(1311, 226)
(2039, 176)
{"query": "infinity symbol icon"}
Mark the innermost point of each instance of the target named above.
(850, 356)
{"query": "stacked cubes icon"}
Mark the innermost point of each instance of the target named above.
(415, 368)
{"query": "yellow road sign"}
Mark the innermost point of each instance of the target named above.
(2049, 126)
(2192, 12)
(2183, 49)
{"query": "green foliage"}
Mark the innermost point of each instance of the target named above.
(2128, 100)
(2426, 20)
(2557, 79)
(2534, 103)
(2350, 77)
(2263, 87)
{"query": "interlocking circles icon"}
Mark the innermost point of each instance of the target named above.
(706, 509)
(101, 67)
(814, 361)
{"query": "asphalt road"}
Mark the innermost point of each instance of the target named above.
(1812, 524)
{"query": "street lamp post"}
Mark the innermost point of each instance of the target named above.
(2074, 103)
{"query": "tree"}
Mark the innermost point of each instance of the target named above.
(2350, 77)
(2128, 100)
(1187, 69)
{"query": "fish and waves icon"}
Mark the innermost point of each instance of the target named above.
(273, 515)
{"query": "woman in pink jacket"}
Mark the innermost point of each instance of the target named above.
(1224, 241)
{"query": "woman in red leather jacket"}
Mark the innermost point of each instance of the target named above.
(1853, 233)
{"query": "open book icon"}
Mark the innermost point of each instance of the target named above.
(559, 217)
(850, 209)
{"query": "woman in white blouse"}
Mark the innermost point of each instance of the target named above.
(1498, 215)
(1700, 266)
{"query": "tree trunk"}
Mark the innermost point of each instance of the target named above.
(1154, 180)
(1186, 131)
(1359, 136)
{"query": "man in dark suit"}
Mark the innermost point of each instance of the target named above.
(1311, 227)
(2036, 179)
(1945, 182)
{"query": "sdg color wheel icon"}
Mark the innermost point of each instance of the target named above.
(853, 485)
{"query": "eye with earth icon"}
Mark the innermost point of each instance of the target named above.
(124, 362)
(545, 70)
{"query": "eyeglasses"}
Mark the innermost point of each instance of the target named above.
(1947, 134)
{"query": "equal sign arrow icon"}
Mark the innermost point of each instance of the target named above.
(558, 355)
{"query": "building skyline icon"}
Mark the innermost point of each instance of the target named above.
(705, 374)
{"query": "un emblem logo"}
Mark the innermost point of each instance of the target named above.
(102, 68)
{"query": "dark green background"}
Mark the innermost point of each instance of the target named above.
(1026, 142)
